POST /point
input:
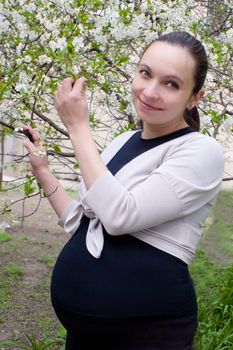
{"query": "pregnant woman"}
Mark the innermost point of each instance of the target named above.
(122, 281)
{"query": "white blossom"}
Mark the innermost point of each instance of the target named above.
(30, 7)
(19, 48)
(27, 59)
(42, 59)
(19, 61)
(43, 42)
(78, 43)
(21, 87)
(229, 36)
(32, 35)
(52, 45)
(61, 43)
(100, 38)
(50, 25)
(4, 24)
(101, 79)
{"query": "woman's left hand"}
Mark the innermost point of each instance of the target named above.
(71, 103)
(37, 153)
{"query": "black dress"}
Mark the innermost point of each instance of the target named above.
(134, 296)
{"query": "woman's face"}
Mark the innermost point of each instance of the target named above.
(162, 86)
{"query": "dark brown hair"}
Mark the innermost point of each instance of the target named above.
(197, 50)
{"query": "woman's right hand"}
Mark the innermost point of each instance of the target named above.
(37, 154)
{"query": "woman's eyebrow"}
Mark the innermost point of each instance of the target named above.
(142, 65)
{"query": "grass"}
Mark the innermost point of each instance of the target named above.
(215, 300)
(4, 295)
(209, 279)
(5, 236)
(34, 344)
(225, 240)
(223, 222)
(25, 306)
(47, 260)
(214, 282)
(13, 270)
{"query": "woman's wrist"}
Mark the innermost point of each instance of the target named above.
(42, 173)
(79, 129)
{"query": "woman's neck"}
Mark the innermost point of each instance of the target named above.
(150, 132)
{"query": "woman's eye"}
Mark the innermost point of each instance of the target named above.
(172, 84)
(144, 72)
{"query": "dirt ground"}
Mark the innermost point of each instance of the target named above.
(25, 307)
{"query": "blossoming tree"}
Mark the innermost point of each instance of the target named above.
(43, 41)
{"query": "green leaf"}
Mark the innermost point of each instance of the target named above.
(57, 149)
(76, 166)
(28, 188)
(123, 60)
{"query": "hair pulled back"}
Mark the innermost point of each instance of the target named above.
(197, 50)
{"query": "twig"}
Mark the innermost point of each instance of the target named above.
(227, 179)
(49, 121)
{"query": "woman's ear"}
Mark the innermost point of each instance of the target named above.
(196, 98)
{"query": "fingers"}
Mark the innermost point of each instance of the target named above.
(30, 147)
(71, 85)
(71, 102)
(32, 135)
(33, 146)
(67, 84)
(79, 87)
(33, 150)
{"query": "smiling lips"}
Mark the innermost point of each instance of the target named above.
(147, 106)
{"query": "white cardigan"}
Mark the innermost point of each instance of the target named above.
(161, 197)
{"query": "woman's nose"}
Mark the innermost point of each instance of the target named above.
(151, 90)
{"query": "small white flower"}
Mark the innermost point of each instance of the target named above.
(19, 48)
(18, 61)
(4, 24)
(61, 43)
(101, 79)
(46, 79)
(76, 70)
(49, 25)
(30, 7)
(78, 43)
(42, 59)
(27, 59)
(32, 35)
(21, 87)
(52, 45)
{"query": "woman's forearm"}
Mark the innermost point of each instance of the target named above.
(87, 155)
(53, 191)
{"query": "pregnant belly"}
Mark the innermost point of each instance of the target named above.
(131, 278)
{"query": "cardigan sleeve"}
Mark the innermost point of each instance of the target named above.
(188, 178)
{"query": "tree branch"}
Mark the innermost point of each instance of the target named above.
(49, 121)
